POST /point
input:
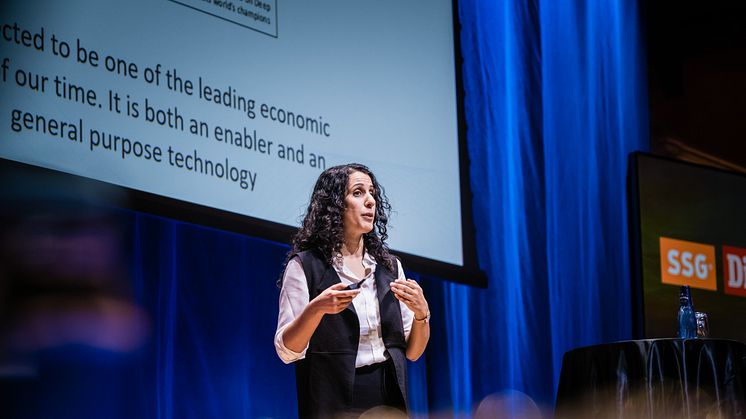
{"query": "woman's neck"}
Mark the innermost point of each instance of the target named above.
(353, 246)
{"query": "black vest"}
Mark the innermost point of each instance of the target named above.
(325, 378)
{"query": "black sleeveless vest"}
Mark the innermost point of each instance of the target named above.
(325, 378)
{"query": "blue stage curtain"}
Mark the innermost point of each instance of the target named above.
(594, 114)
(555, 100)
(212, 299)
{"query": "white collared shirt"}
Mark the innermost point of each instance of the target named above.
(294, 299)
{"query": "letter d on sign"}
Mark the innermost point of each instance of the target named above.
(734, 263)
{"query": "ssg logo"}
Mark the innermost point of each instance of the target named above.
(688, 263)
(734, 263)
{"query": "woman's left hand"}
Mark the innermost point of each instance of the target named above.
(410, 293)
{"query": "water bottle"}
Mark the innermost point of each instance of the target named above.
(687, 320)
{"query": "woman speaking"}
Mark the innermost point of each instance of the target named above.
(348, 316)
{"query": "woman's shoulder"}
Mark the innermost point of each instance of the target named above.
(309, 257)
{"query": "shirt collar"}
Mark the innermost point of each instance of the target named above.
(368, 260)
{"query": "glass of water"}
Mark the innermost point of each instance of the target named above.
(703, 324)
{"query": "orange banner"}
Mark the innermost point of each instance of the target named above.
(688, 263)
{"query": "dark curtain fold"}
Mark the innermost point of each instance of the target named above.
(213, 303)
(555, 100)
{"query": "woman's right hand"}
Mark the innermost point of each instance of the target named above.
(333, 299)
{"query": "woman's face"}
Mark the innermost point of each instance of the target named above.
(360, 206)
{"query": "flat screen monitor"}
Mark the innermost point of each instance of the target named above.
(688, 228)
(226, 111)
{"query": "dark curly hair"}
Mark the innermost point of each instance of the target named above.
(322, 230)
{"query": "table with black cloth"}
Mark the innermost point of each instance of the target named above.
(655, 378)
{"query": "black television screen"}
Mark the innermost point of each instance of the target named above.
(688, 228)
